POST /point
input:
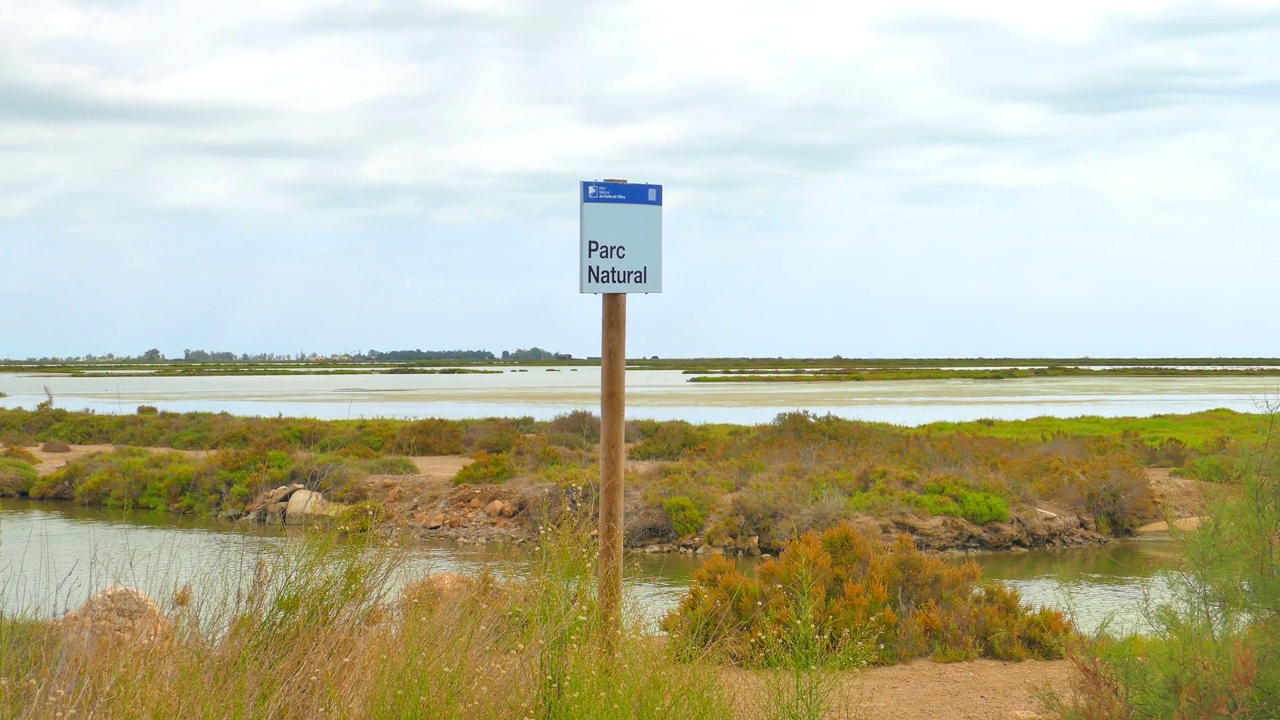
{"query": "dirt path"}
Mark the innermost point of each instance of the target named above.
(53, 461)
(1179, 496)
(924, 690)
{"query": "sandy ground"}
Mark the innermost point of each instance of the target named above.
(923, 689)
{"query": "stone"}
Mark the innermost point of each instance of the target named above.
(477, 503)
(280, 494)
(434, 522)
(115, 615)
(436, 588)
(307, 504)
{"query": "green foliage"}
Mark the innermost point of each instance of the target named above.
(486, 469)
(1214, 651)
(581, 425)
(953, 497)
(16, 477)
(1220, 468)
(671, 441)
(862, 600)
(687, 517)
(138, 478)
(429, 437)
(362, 517)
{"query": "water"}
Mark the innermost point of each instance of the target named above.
(657, 394)
(53, 556)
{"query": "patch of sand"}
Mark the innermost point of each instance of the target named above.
(923, 689)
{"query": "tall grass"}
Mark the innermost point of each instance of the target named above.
(324, 630)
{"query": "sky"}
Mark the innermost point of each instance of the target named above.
(909, 179)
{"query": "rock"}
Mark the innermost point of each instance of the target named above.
(117, 614)
(280, 494)
(437, 588)
(494, 508)
(306, 504)
(435, 521)
(477, 503)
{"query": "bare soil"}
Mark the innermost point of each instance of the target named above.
(1178, 497)
(924, 689)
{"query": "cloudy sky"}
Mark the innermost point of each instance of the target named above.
(1098, 177)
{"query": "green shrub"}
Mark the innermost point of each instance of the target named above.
(389, 465)
(361, 517)
(486, 469)
(956, 498)
(148, 410)
(1214, 651)
(580, 424)
(429, 437)
(1214, 468)
(16, 477)
(686, 516)
(670, 441)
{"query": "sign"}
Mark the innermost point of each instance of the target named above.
(620, 238)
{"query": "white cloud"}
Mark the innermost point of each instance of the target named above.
(1036, 149)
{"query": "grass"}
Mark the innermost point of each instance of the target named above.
(323, 630)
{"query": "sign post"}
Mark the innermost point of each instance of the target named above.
(620, 252)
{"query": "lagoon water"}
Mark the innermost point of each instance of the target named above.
(52, 556)
(657, 394)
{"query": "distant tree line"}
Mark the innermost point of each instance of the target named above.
(535, 353)
(154, 355)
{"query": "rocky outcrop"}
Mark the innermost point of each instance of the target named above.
(440, 587)
(1030, 529)
(305, 505)
(290, 504)
(115, 615)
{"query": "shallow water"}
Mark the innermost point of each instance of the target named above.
(658, 394)
(53, 556)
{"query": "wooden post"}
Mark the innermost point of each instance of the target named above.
(613, 387)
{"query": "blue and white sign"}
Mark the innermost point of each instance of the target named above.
(621, 238)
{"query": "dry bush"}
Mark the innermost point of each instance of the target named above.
(864, 599)
(15, 452)
(55, 446)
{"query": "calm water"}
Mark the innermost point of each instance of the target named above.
(53, 556)
(657, 394)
